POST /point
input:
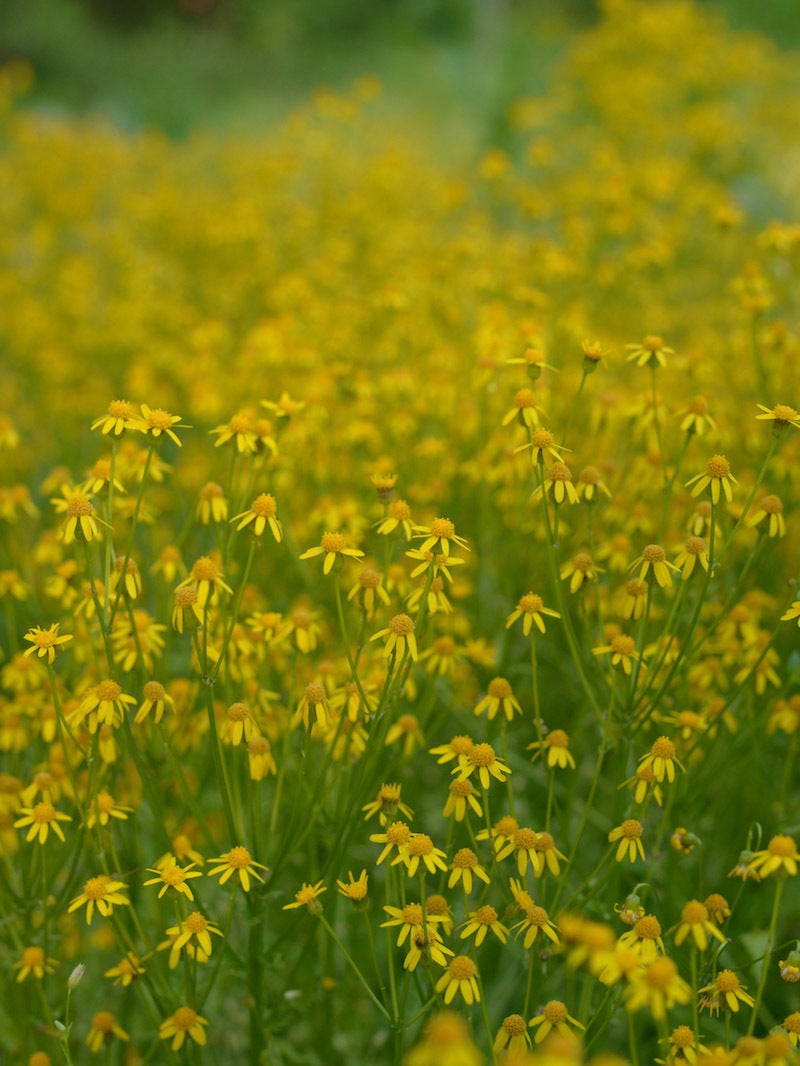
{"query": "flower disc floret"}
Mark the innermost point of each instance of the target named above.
(460, 977)
(779, 856)
(46, 642)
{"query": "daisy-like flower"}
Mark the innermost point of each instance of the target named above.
(105, 704)
(421, 851)
(695, 419)
(39, 820)
(458, 748)
(386, 804)
(193, 933)
(127, 970)
(333, 547)
(512, 1036)
(557, 485)
(367, 590)
(554, 747)
(174, 876)
(187, 612)
(237, 861)
(34, 963)
(718, 908)
(205, 577)
(104, 1028)
(399, 638)
(184, 1020)
(535, 920)
(645, 938)
(553, 1016)
(437, 537)
(662, 759)
(546, 855)
(461, 976)
(622, 650)
(791, 1026)
(81, 518)
(653, 566)
(780, 415)
(769, 512)
(156, 699)
(398, 516)
(240, 431)
(102, 892)
(650, 352)
(465, 864)
(238, 724)
(580, 569)
(462, 794)
(695, 923)
(629, 835)
(103, 807)
(530, 609)
(543, 447)
(523, 842)
(482, 921)
(155, 422)
(718, 476)
(658, 987)
(308, 896)
(499, 697)
(354, 889)
(779, 856)
(694, 551)
(212, 504)
(725, 991)
(481, 759)
(397, 837)
(119, 416)
(409, 920)
(590, 483)
(525, 410)
(261, 513)
(593, 355)
(384, 486)
(285, 408)
(46, 642)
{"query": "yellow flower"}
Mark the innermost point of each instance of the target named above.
(553, 1016)
(155, 421)
(236, 861)
(556, 746)
(622, 650)
(334, 547)
(127, 970)
(81, 518)
(156, 699)
(769, 507)
(386, 804)
(173, 876)
(212, 505)
(645, 938)
(34, 963)
(261, 513)
(481, 758)
(482, 921)
(530, 609)
(653, 564)
(354, 889)
(102, 807)
(194, 934)
(104, 1028)
(466, 863)
(717, 475)
(240, 430)
(438, 536)
(184, 1020)
(118, 417)
(557, 485)
(102, 892)
(462, 794)
(659, 987)
(400, 638)
(460, 977)
(779, 856)
(694, 550)
(662, 759)
(650, 352)
(46, 641)
(780, 415)
(307, 896)
(512, 1036)
(421, 850)
(629, 835)
(580, 569)
(695, 923)
(41, 819)
(726, 991)
(499, 696)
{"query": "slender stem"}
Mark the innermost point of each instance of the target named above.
(773, 923)
(132, 533)
(354, 967)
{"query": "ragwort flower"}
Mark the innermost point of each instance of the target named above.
(46, 641)
(261, 513)
(102, 892)
(530, 609)
(718, 476)
(237, 861)
(553, 1015)
(184, 1020)
(779, 856)
(334, 547)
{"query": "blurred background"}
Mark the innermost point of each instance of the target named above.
(176, 64)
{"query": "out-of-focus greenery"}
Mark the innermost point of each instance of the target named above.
(175, 63)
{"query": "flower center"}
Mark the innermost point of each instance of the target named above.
(654, 553)
(420, 844)
(718, 466)
(461, 968)
(196, 923)
(499, 688)
(401, 625)
(465, 859)
(239, 857)
(482, 755)
(555, 1011)
(631, 829)
(663, 748)
(154, 691)
(185, 597)
(107, 691)
(184, 1018)
(514, 1025)
(332, 542)
(315, 692)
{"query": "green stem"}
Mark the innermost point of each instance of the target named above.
(354, 967)
(773, 923)
(134, 521)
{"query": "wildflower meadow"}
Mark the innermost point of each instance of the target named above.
(398, 575)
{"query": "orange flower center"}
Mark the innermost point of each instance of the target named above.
(783, 846)
(499, 688)
(401, 625)
(185, 597)
(514, 1025)
(465, 859)
(237, 712)
(211, 491)
(694, 912)
(315, 692)
(462, 968)
(663, 748)
(196, 923)
(654, 553)
(420, 844)
(154, 691)
(531, 603)
(239, 857)
(557, 739)
(718, 466)
(482, 755)
(485, 915)
(184, 1018)
(661, 973)
(79, 506)
(107, 691)
(555, 1012)
(631, 829)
